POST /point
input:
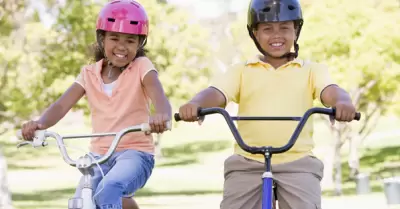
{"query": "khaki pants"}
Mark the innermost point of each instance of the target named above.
(298, 183)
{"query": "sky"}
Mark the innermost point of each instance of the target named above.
(210, 8)
(199, 8)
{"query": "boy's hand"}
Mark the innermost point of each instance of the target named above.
(345, 111)
(158, 122)
(188, 112)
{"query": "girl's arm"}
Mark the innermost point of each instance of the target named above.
(156, 93)
(59, 109)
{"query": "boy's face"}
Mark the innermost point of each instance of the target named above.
(120, 48)
(276, 38)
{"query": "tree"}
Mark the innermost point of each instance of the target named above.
(11, 25)
(360, 49)
(21, 42)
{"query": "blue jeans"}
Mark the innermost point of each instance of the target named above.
(124, 173)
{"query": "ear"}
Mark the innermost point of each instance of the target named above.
(255, 33)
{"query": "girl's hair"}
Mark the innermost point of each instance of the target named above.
(99, 50)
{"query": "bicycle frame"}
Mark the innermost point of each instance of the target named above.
(84, 163)
(267, 151)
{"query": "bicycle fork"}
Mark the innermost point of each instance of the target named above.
(85, 200)
(267, 179)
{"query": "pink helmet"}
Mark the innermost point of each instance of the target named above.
(123, 16)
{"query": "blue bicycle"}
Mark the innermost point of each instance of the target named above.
(267, 151)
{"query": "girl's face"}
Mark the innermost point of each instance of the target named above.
(276, 38)
(120, 48)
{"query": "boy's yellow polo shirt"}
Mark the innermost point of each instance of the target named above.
(261, 90)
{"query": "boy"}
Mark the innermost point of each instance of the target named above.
(275, 84)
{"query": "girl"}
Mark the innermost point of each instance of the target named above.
(118, 88)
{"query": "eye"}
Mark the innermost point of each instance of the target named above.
(131, 41)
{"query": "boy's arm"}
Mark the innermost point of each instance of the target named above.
(332, 95)
(335, 96)
(59, 109)
(209, 97)
(224, 88)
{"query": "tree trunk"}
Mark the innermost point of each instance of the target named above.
(354, 157)
(337, 163)
(5, 197)
(329, 161)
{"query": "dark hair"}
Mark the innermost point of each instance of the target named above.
(99, 51)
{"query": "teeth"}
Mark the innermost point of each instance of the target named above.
(277, 44)
(120, 55)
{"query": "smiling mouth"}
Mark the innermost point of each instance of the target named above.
(121, 56)
(277, 44)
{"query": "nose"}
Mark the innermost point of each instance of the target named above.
(121, 46)
(277, 33)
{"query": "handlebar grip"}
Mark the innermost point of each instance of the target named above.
(145, 127)
(356, 117)
(177, 117)
(169, 125)
(199, 114)
(38, 141)
(19, 134)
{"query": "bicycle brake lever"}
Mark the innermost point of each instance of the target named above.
(21, 144)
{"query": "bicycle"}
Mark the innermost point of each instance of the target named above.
(84, 163)
(267, 151)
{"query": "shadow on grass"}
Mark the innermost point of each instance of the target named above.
(50, 195)
(179, 162)
(195, 148)
(15, 166)
(149, 193)
(351, 190)
(12, 153)
(46, 195)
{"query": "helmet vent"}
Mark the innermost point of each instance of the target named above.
(266, 9)
(291, 7)
(111, 19)
(134, 22)
(134, 4)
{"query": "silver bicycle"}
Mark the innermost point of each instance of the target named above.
(84, 163)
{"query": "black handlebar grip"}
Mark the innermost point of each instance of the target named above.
(358, 116)
(177, 117)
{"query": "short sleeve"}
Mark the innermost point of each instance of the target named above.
(80, 80)
(321, 79)
(145, 66)
(228, 83)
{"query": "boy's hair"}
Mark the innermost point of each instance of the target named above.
(99, 50)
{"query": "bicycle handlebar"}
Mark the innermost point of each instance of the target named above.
(262, 150)
(41, 135)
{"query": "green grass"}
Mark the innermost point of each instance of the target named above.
(190, 173)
